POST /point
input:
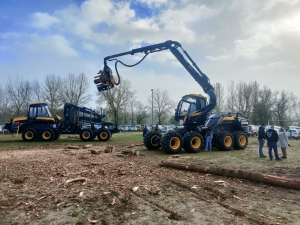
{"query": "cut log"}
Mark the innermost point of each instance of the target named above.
(86, 146)
(77, 179)
(96, 152)
(263, 178)
(72, 147)
(110, 149)
(131, 152)
(133, 145)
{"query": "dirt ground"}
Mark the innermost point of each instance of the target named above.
(37, 187)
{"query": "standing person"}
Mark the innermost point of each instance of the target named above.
(208, 138)
(145, 130)
(157, 128)
(272, 139)
(283, 142)
(261, 140)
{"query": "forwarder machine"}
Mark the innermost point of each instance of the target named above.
(229, 131)
(40, 124)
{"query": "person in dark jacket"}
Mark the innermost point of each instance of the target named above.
(145, 130)
(272, 138)
(261, 140)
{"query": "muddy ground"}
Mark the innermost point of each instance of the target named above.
(37, 187)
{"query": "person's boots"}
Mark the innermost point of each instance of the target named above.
(283, 153)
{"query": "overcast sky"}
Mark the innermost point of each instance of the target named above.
(229, 40)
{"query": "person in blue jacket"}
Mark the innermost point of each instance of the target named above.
(272, 139)
(145, 130)
(208, 138)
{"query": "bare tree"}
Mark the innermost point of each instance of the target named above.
(51, 93)
(162, 104)
(19, 93)
(75, 89)
(131, 111)
(5, 110)
(262, 109)
(220, 94)
(37, 91)
(117, 98)
(231, 98)
(283, 101)
(296, 110)
(244, 98)
(141, 113)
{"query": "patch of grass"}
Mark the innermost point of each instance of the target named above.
(75, 214)
(9, 142)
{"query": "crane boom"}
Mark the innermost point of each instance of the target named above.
(105, 79)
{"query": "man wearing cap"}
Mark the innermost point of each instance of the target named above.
(261, 140)
(272, 138)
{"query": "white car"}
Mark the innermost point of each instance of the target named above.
(131, 128)
(293, 133)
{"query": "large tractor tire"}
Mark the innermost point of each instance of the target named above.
(172, 143)
(193, 142)
(240, 140)
(104, 134)
(86, 135)
(150, 140)
(29, 134)
(225, 141)
(47, 135)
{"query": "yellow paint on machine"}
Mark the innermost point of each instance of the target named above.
(18, 119)
(225, 118)
(45, 118)
(198, 95)
(196, 114)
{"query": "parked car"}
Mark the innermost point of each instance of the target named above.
(253, 130)
(131, 128)
(293, 134)
(138, 127)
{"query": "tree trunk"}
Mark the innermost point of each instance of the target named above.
(263, 178)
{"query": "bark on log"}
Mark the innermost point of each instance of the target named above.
(96, 152)
(263, 178)
(132, 152)
(72, 147)
(133, 145)
(86, 146)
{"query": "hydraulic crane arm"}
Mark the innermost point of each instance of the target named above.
(199, 76)
(106, 81)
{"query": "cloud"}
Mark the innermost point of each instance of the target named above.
(11, 35)
(155, 3)
(43, 20)
(54, 44)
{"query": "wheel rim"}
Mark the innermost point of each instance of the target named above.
(174, 143)
(86, 135)
(46, 135)
(29, 135)
(152, 140)
(243, 140)
(228, 141)
(103, 135)
(196, 142)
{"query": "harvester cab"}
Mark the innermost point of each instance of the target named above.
(189, 109)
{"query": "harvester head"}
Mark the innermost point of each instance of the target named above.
(105, 80)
